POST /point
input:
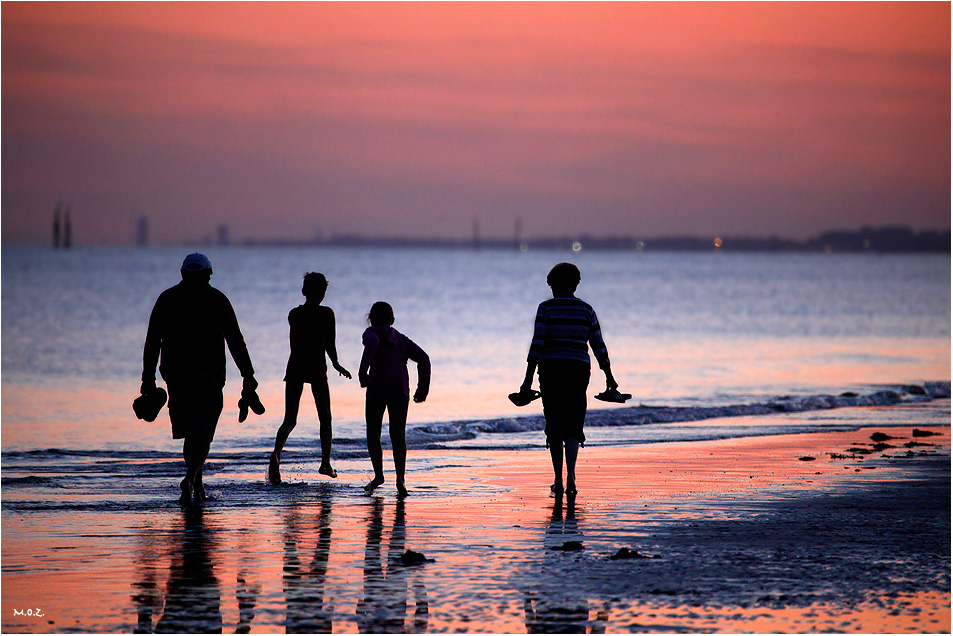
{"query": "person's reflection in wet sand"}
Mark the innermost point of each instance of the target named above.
(193, 597)
(305, 585)
(552, 608)
(383, 608)
(246, 593)
(147, 597)
(247, 587)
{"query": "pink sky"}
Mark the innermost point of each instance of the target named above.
(644, 119)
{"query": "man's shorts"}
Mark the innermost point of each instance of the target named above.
(195, 404)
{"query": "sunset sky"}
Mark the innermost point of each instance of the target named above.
(395, 119)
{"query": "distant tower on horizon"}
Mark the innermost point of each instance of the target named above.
(67, 230)
(56, 224)
(222, 235)
(142, 232)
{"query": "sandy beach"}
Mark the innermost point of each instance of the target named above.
(789, 533)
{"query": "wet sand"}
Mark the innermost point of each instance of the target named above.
(742, 535)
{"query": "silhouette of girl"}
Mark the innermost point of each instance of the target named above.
(383, 372)
(312, 337)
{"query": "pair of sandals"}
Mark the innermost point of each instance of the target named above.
(557, 491)
(249, 400)
(522, 398)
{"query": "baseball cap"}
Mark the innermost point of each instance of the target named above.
(196, 262)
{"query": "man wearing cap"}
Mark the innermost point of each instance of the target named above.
(190, 325)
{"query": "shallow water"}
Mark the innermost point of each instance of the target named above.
(114, 553)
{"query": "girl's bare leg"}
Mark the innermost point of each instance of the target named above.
(374, 417)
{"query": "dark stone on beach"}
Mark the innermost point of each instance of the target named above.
(569, 546)
(807, 458)
(625, 553)
(918, 433)
(882, 447)
(414, 558)
(848, 394)
(880, 437)
(769, 599)
(915, 444)
(916, 390)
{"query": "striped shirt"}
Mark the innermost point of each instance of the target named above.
(565, 327)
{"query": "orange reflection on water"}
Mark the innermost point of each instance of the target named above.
(322, 556)
(932, 616)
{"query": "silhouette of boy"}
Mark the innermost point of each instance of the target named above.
(312, 338)
(190, 325)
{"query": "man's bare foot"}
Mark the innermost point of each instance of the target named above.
(401, 491)
(186, 498)
(374, 483)
(274, 475)
(327, 470)
(198, 493)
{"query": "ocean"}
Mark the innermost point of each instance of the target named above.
(690, 331)
(714, 346)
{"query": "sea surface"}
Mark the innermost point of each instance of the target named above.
(692, 336)
(711, 346)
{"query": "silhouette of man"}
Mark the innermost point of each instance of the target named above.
(189, 326)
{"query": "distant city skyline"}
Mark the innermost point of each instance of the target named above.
(168, 123)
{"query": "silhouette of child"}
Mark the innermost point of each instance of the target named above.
(312, 337)
(564, 329)
(383, 372)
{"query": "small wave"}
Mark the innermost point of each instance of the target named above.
(438, 434)
(31, 480)
(422, 436)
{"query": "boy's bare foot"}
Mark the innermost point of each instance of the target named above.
(274, 475)
(327, 470)
(186, 498)
(374, 483)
